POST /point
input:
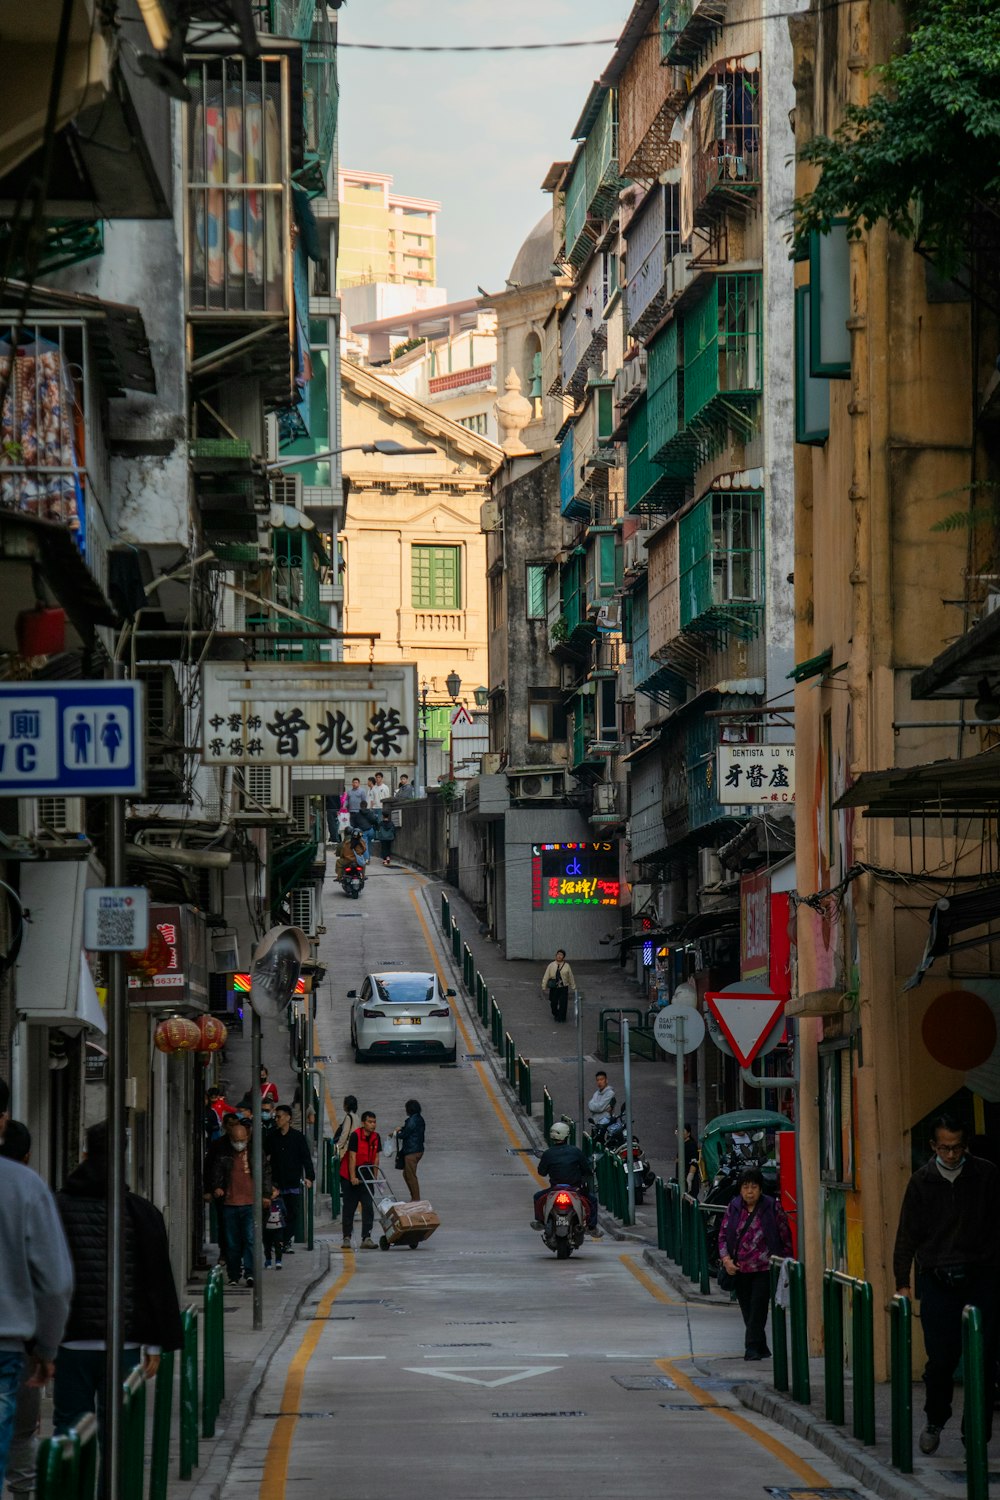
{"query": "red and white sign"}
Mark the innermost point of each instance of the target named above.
(747, 1016)
(461, 716)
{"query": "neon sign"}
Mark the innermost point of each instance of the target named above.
(241, 984)
(574, 875)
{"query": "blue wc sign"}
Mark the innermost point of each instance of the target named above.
(71, 738)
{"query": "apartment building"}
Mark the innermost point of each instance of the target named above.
(385, 236)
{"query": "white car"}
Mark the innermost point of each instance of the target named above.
(402, 1015)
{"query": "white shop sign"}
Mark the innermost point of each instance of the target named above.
(756, 774)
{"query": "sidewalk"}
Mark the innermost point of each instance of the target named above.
(550, 1047)
(713, 1320)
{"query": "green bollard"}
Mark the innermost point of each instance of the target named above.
(445, 913)
(977, 1479)
(901, 1355)
(833, 1348)
(133, 1435)
(548, 1112)
(163, 1405)
(660, 1216)
(89, 1456)
(310, 1220)
(456, 939)
(57, 1468)
(863, 1323)
(704, 1274)
(189, 1395)
(779, 1333)
(800, 1333)
(209, 1360)
(333, 1181)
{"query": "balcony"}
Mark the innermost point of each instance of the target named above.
(587, 458)
(291, 18)
(609, 656)
(687, 26)
(653, 239)
(726, 170)
(723, 360)
(456, 380)
(651, 487)
(426, 626)
(609, 806)
(582, 329)
(238, 260)
(595, 181)
(320, 100)
(230, 490)
(720, 566)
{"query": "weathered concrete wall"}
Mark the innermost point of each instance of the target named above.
(421, 837)
(537, 934)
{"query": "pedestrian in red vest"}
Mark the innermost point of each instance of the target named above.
(363, 1150)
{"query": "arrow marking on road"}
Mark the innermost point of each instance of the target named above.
(462, 1375)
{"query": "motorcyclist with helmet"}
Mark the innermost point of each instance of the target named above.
(567, 1166)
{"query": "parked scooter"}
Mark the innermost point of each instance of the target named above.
(614, 1137)
(352, 880)
(742, 1153)
(563, 1214)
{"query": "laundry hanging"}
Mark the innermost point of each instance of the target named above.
(41, 434)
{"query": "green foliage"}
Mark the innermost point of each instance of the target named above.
(406, 346)
(560, 629)
(977, 514)
(926, 147)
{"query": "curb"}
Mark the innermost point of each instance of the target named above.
(527, 1122)
(859, 1462)
(665, 1268)
(216, 1473)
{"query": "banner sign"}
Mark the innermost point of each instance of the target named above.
(335, 714)
(574, 875)
(756, 774)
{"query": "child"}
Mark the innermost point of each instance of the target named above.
(386, 834)
(275, 1231)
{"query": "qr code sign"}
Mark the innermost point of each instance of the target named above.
(116, 919)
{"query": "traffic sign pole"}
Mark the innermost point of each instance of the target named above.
(117, 1070)
(679, 1081)
(627, 1065)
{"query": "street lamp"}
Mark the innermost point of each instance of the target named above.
(454, 685)
(424, 690)
(387, 447)
(482, 696)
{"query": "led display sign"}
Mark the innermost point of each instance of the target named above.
(574, 875)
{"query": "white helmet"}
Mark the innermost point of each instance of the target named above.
(559, 1134)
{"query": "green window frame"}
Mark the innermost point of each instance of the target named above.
(605, 396)
(606, 562)
(830, 302)
(836, 1114)
(536, 606)
(812, 392)
(436, 576)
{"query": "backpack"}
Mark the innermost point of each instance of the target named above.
(343, 1134)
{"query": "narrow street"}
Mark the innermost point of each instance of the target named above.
(478, 1363)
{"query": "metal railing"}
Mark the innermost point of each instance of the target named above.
(797, 1316)
(67, 1464)
(189, 1395)
(977, 1478)
(863, 1352)
(901, 1376)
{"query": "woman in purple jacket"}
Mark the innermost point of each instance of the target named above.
(754, 1229)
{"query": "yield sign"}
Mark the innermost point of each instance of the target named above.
(464, 1377)
(746, 1015)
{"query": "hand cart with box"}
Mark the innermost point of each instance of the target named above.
(402, 1222)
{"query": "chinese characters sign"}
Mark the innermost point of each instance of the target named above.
(332, 714)
(756, 774)
(574, 875)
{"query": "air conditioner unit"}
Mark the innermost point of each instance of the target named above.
(286, 489)
(606, 797)
(262, 794)
(489, 515)
(489, 765)
(302, 814)
(47, 817)
(530, 786)
(709, 868)
(164, 734)
(304, 908)
(626, 682)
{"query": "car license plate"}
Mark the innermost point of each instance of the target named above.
(406, 1020)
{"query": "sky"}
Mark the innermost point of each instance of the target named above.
(476, 130)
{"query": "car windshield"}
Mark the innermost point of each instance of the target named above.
(406, 989)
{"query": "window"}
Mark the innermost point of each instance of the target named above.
(539, 721)
(607, 709)
(836, 1114)
(475, 423)
(546, 715)
(812, 392)
(830, 303)
(496, 600)
(436, 577)
(605, 412)
(535, 592)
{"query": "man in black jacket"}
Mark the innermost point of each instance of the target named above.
(152, 1316)
(567, 1166)
(947, 1224)
(291, 1163)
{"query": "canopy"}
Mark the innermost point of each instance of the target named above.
(712, 1144)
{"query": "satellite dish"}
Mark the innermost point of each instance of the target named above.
(275, 970)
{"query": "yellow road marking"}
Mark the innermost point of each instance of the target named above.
(272, 1485)
(774, 1446)
(480, 1068)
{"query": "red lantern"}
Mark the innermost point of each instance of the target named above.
(177, 1034)
(213, 1034)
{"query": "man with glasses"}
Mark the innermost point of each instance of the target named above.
(363, 1149)
(947, 1225)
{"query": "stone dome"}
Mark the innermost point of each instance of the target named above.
(533, 261)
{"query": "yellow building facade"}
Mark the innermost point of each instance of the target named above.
(888, 821)
(413, 551)
(384, 236)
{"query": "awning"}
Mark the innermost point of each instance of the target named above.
(954, 914)
(958, 672)
(814, 666)
(117, 329)
(642, 749)
(940, 788)
(50, 548)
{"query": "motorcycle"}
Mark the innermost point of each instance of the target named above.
(614, 1137)
(352, 881)
(725, 1184)
(563, 1215)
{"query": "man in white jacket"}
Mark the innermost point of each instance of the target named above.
(557, 981)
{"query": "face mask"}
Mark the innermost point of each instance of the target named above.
(239, 1145)
(266, 1118)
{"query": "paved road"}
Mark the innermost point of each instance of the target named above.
(478, 1365)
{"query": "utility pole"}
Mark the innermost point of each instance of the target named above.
(257, 1173)
(117, 1069)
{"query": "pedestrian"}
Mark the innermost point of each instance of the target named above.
(690, 1153)
(406, 791)
(947, 1225)
(151, 1314)
(217, 1227)
(233, 1188)
(379, 793)
(23, 1456)
(350, 1121)
(336, 814)
(36, 1284)
(276, 1228)
(291, 1166)
(216, 1109)
(268, 1090)
(355, 802)
(753, 1229)
(371, 814)
(410, 1137)
(557, 981)
(364, 1147)
(601, 1106)
(387, 834)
